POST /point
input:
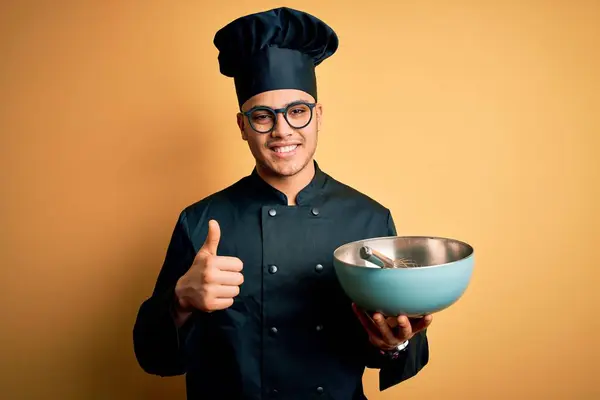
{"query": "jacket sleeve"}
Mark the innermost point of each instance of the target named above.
(158, 343)
(412, 360)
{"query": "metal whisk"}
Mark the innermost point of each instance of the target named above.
(377, 258)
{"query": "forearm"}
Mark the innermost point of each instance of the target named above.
(159, 336)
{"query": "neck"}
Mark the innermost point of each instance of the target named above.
(289, 185)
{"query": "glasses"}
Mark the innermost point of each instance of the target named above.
(263, 119)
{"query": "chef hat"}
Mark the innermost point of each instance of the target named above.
(275, 49)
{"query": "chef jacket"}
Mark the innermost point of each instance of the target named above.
(291, 332)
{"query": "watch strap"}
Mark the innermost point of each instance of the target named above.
(396, 351)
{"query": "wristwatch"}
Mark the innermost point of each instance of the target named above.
(396, 351)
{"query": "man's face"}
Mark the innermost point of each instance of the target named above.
(285, 150)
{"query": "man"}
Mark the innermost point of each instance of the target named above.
(247, 303)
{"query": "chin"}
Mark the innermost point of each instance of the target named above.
(286, 168)
(289, 171)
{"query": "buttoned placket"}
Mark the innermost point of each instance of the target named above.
(271, 213)
(275, 270)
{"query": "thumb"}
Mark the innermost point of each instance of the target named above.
(212, 238)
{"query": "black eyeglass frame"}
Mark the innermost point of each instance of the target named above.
(283, 111)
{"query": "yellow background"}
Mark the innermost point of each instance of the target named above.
(477, 120)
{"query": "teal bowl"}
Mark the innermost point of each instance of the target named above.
(444, 271)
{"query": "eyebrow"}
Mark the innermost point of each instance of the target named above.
(284, 106)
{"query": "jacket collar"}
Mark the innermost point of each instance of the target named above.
(308, 195)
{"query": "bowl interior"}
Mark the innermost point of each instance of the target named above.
(426, 251)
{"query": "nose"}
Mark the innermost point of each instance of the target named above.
(281, 128)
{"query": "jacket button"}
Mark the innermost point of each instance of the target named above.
(319, 328)
(315, 211)
(320, 390)
(272, 212)
(274, 331)
(272, 269)
(318, 268)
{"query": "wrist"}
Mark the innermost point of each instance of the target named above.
(394, 352)
(180, 305)
(180, 310)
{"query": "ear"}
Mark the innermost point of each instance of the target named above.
(241, 126)
(319, 115)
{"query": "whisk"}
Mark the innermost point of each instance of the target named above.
(376, 257)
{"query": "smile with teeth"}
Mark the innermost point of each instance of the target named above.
(285, 149)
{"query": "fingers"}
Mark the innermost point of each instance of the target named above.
(209, 251)
(386, 332)
(224, 271)
(228, 278)
(224, 263)
(215, 276)
(365, 320)
(389, 332)
(212, 238)
(380, 334)
(420, 324)
(220, 304)
(405, 330)
(214, 281)
(392, 322)
(226, 292)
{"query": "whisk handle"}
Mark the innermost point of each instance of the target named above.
(372, 255)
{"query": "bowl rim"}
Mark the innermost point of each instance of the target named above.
(470, 247)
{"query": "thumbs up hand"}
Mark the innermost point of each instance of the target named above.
(212, 281)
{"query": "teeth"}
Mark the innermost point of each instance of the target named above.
(285, 149)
